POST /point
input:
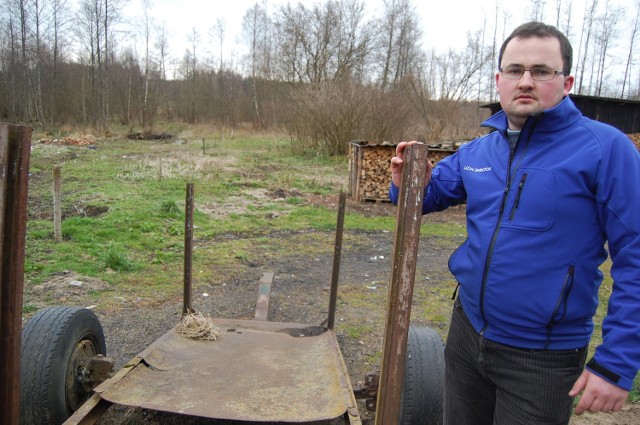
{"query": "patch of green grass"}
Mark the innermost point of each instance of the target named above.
(28, 309)
(357, 331)
(170, 207)
(116, 259)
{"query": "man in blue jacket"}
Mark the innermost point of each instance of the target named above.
(544, 192)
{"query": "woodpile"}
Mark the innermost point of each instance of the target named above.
(369, 169)
(635, 138)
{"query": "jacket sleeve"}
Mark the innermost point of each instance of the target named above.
(617, 359)
(445, 188)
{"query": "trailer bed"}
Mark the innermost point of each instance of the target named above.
(258, 372)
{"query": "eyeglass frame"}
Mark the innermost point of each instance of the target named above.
(544, 67)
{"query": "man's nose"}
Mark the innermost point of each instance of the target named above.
(526, 78)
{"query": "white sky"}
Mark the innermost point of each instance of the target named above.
(445, 23)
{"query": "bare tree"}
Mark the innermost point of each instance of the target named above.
(536, 10)
(632, 39)
(148, 23)
(607, 36)
(353, 42)
(494, 57)
(162, 47)
(218, 32)
(18, 33)
(566, 27)
(97, 21)
(255, 31)
(325, 42)
(587, 29)
(399, 37)
(58, 36)
(189, 73)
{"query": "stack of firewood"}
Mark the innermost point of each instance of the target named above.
(370, 174)
(635, 138)
(375, 173)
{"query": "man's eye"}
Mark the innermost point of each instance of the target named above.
(514, 71)
(541, 72)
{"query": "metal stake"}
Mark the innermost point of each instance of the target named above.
(405, 252)
(15, 144)
(337, 251)
(188, 250)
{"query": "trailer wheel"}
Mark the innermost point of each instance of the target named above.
(423, 388)
(56, 343)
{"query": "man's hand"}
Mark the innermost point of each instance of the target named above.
(598, 395)
(397, 163)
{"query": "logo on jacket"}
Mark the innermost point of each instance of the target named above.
(476, 170)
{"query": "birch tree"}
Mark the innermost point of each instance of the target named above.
(633, 35)
(399, 37)
(255, 32)
(587, 28)
(606, 39)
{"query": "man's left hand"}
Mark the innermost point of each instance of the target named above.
(598, 395)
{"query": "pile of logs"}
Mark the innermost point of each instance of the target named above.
(369, 174)
(635, 138)
(369, 169)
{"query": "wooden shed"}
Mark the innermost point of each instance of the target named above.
(370, 172)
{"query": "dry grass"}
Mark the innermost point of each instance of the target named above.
(198, 326)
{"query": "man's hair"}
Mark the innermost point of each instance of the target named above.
(538, 29)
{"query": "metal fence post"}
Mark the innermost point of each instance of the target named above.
(405, 252)
(15, 144)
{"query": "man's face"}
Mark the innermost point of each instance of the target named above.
(522, 97)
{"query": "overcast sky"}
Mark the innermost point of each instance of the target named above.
(445, 23)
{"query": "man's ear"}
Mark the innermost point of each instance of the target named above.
(568, 84)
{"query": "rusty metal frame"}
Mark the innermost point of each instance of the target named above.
(15, 144)
(97, 405)
(405, 252)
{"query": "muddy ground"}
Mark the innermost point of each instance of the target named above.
(300, 294)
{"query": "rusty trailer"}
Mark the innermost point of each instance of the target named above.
(259, 371)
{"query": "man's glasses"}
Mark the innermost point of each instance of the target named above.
(538, 73)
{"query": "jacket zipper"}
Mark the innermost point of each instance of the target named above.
(567, 284)
(496, 230)
(517, 200)
(494, 237)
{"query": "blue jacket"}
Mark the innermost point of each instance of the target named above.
(538, 219)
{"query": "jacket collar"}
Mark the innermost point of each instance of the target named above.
(560, 116)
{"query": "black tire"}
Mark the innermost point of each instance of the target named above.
(56, 342)
(422, 397)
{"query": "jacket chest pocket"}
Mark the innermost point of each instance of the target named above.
(532, 201)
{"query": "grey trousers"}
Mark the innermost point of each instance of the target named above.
(487, 383)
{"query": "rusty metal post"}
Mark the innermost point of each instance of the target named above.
(57, 204)
(188, 250)
(337, 252)
(15, 145)
(405, 252)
